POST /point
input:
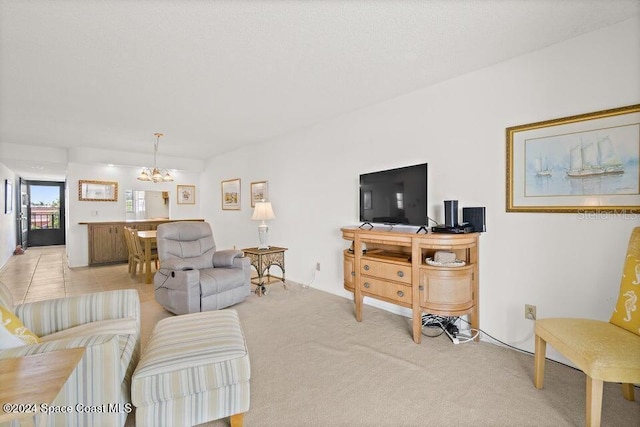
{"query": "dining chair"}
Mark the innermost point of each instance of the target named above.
(130, 248)
(139, 255)
(604, 351)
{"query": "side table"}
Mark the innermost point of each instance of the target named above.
(34, 380)
(262, 260)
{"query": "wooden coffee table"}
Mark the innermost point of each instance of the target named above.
(28, 382)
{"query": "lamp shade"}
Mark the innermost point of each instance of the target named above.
(263, 211)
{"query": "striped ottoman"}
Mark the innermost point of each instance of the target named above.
(194, 369)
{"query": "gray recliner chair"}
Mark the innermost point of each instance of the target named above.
(193, 276)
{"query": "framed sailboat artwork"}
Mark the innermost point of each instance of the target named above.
(578, 164)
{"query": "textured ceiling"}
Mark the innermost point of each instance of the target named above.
(213, 75)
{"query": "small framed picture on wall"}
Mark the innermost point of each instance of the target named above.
(8, 196)
(231, 194)
(259, 192)
(186, 194)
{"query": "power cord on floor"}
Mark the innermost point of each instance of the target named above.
(306, 286)
(527, 352)
(444, 323)
(500, 341)
(447, 325)
(434, 324)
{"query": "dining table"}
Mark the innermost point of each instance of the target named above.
(148, 239)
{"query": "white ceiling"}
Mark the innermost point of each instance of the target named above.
(213, 75)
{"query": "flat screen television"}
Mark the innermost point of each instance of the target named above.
(395, 196)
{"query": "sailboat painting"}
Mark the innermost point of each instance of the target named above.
(542, 167)
(594, 159)
(594, 162)
(585, 163)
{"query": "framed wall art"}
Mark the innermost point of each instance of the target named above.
(583, 163)
(259, 192)
(97, 191)
(231, 194)
(8, 196)
(186, 194)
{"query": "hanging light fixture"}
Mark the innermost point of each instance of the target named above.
(154, 174)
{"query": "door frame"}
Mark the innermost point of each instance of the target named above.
(22, 214)
(52, 236)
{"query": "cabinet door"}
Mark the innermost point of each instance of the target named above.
(446, 289)
(348, 272)
(120, 252)
(101, 244)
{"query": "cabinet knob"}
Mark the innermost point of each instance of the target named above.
(421, 288)
(400, 273)
(353, 273)
(366, 267)
(367, 285)
(400, 294)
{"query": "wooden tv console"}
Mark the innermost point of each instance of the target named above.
(394, 269)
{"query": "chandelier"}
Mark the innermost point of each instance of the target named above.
(154, 174)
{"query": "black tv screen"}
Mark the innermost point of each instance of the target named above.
(395, 196)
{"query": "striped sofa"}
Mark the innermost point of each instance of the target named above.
(195, 368)
(107, 325)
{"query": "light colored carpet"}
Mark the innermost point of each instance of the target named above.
(312, 364)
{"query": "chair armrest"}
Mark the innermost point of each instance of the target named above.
(178, 290)
(225, 258)
(176, 264)
(243, 263)
(87, 341)
(49, 316)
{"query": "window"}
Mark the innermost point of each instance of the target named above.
(135, 203)
(400, 200)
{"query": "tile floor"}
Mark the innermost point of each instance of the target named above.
(42, 273)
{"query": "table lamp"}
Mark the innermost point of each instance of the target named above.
(262, 212)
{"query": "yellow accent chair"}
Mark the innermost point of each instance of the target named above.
(604, 351)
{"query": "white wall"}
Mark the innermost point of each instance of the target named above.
(564, 264)
(156, 205)
(126, 176)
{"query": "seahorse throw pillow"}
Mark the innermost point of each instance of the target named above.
(627, 312)
(12, 332)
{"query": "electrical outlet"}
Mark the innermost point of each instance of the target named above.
(317, 266)
(530, 311)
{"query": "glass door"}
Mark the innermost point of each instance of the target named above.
(46, 213)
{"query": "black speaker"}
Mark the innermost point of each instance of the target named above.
(450, 213)
(475, 217)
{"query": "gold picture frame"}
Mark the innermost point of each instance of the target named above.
(97, 191)
(231, 194)
(186, 194)
(259, 192)
(578, 164)
(8, 196)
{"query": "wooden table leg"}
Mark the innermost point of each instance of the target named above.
(147, 258)
(236, 420)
